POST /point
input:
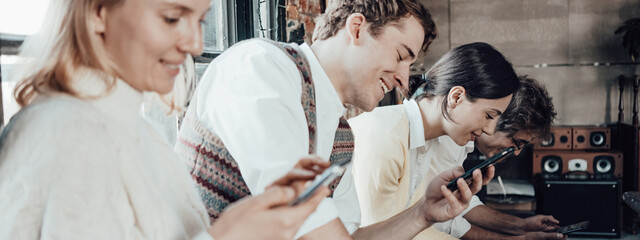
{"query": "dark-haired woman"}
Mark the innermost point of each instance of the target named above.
(461, 97)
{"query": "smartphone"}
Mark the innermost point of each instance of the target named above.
(573, 227)
(468, 175)
(324, 179)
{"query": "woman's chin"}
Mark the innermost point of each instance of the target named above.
(164, 87)
(462, 141)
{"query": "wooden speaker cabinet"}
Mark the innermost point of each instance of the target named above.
(560, 164)
(560, 139)
(591, 138)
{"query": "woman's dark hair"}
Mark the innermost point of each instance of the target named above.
(477, 67)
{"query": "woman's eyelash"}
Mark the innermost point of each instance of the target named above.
(170, 20)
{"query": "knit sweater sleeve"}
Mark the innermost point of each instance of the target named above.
(59, 180)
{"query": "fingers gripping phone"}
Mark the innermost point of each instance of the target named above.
(573, 227)
(468, 175)
(324, 179)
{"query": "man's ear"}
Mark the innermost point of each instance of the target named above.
(355, 27)
(99, 20)
(456, 96)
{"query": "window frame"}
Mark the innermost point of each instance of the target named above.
(238, 25)
(9, 46)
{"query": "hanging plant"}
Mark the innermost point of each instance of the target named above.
(631, 38)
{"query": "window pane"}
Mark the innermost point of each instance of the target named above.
(22, 17)
(214, 28)
(10, 107)
(261, 20)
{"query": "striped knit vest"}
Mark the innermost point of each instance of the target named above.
(219, 180)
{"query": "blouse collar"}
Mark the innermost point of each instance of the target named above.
(416, 127)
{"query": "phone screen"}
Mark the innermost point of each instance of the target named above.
(573, 227)
(324, 179)
(468, 175)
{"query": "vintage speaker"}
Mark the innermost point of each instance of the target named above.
(591, 138)
(578, 164)
(560, 139)
(573, 201)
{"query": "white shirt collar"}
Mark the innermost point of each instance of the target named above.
(416, 127)
(322, 82)
(469, 147)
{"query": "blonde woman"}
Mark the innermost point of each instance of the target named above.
(79, 162)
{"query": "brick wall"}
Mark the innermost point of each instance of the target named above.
(300, 25)
(300, 19)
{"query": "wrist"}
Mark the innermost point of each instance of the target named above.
(420, 215)
(519, 228)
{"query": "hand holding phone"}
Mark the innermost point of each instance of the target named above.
(324, 179)
(573, 227)
(440, 204)
(468, 175)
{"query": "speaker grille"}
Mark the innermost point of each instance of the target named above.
(551, 164)
(548, 142)
(604, 166)
(598, 139)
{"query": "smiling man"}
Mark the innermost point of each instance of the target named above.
(260, 106)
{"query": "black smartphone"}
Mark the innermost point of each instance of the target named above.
(573, 227)
(324, 179)
(468, 175)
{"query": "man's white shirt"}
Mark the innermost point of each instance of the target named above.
(250, 97)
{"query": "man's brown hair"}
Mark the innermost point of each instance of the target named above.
(377, 12)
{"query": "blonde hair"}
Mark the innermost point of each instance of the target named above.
(65, 43)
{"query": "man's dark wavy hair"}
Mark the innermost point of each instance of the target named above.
(531, 108)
